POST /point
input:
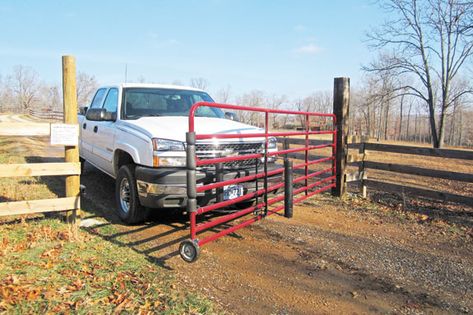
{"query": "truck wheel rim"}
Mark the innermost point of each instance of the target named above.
(125, 195)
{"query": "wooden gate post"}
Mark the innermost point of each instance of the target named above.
(341, 105)
(70, 117)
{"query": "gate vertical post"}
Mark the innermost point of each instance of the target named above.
(191, 182)
(219, 178)
(70, 117)
(341, 105)
(288, 188)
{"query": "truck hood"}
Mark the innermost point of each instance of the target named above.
(175, 127)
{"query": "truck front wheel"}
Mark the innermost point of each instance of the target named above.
(129, 208)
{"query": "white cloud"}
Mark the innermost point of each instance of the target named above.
(309, 49)
(300, 28)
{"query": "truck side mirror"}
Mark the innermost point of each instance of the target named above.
(231, 116)
(83, 110)
(100, 114)
(109, 116)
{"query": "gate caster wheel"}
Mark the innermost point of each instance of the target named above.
(189, 250)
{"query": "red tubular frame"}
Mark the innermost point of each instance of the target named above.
(257, 209)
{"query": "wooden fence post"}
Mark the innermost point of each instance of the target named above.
(285, 144)
(341, 105)
(70, 117)
(362, 169)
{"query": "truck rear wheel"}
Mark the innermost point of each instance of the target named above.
(129, 208)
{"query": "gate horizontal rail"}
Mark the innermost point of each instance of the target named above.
(259, 181)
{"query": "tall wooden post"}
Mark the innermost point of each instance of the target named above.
(70, 117)
(362, 169)
(341, 105)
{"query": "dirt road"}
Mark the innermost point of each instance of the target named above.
(332, 257)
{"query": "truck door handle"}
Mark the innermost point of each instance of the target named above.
(84, 125)
(96, 128)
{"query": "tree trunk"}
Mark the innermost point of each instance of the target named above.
(408, 120)
(433, 127)
(400, 119)
(453, 126)
(441, 135)
(386, 121)
(380, 122)
(416, 129)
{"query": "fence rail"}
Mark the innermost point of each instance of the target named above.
(39, 169)
(70, 168)
(38, 206)
(445, 153)
(46, 114)
(364, 165)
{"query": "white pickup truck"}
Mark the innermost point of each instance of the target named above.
(136, 133)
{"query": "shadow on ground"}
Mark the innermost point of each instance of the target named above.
(452, 213)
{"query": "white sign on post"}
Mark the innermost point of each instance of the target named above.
(64, 134)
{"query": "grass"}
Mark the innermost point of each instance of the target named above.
(47, 266)
(21, 188)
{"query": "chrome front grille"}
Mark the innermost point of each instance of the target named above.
(211, 150)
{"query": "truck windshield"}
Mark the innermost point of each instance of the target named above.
(149, 102)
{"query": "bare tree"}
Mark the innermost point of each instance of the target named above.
(430, 40)
(54, 98)
(255, 98)
(199, 83)
(25, 86)
(300, 107)
(275, 102)
(223, 95)
(6, 95)
(86, 86)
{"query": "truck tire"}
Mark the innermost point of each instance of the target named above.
(129, 208)
(245, 204)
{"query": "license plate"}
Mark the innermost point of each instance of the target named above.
(232, 192)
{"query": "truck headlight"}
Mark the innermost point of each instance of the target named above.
(168, 153)
(168, 161)
(167, 145)
(272, 147)
(272, 144)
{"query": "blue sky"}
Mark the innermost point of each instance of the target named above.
(280, 46)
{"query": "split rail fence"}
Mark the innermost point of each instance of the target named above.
(364, 165)
(47, 114)
(70, 168)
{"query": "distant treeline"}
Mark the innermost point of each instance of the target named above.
(371, 112)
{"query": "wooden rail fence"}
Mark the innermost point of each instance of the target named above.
(362, 159)
(47, 114)
(70, 168)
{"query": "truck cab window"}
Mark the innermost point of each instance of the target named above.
(98, 99)
(111, 102)
(148, 102)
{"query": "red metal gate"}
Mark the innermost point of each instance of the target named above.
(215, 184)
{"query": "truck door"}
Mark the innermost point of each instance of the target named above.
(87, 127)
(104, 135)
